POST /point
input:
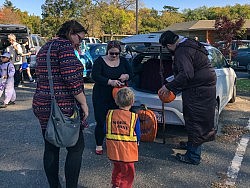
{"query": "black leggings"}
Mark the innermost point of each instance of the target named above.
(72, 164)
(99, 133)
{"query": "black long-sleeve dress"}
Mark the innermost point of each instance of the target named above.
(102, 92)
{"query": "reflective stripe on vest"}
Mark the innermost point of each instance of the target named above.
(131, 137)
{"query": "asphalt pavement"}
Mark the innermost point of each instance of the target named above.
(21, 155)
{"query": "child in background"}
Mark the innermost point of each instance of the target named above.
(7, 70)
(122, 139)
(26, 59)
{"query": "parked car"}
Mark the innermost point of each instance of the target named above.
(35, 44)
(96, 50)
(248, 69)
(240, 53)
(146, 54)
(92, 40)
(21, 32)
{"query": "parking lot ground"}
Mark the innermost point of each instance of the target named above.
(21, 152)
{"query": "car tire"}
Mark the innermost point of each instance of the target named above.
(232, 100)
(216, 117)
(248, 70)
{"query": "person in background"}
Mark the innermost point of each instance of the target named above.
(25, 58)
(7, 71)
(108, 72)
(122, 139)
(16, 52)
(67, 75)
(195, 77)
(196, 38)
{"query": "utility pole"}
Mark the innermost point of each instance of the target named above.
(136, 17)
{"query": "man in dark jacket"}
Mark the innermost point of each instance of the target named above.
(195, 77)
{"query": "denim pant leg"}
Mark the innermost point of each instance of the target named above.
(193, 152)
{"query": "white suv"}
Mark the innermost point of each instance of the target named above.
(35, 43)
(146, 53)
(92, 40)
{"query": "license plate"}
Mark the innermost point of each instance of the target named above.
(158, 115)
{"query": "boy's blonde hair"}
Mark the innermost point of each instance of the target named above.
(125, 97)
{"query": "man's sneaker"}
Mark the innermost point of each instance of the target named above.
(11, 103)
(3, 105)
(184, 159)
(183, 145)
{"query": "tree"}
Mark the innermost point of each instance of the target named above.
(149, 20)
(227, 30)
(7, 16)
(170, 8)
(9, 4)
(56, 12)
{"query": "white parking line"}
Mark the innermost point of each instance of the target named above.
(233, 170)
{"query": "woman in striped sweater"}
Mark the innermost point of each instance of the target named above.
(67, 73)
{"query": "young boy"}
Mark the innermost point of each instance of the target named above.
(25, 60)
(7, 71)
(122, 139)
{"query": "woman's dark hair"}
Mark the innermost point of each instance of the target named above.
(113, 44)
(25, 40)
(70, 27)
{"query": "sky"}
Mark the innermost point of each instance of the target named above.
(34, 6)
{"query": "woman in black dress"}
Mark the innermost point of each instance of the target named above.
(108, 72)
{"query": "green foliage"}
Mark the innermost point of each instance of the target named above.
(211, 13)
(243, 85)
(56, 12)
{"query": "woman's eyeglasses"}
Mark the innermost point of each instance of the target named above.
(114, 53)
(79, 37)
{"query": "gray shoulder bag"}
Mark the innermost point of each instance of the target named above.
(62, 131)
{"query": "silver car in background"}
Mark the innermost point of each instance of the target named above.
(145, 54)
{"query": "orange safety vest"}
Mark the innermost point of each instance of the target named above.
(121, 139)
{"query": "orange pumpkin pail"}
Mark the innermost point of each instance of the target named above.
(167, 97)
(115, 91)
(148, 123)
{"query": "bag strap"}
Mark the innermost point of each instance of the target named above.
(49, 72)
(50, 77)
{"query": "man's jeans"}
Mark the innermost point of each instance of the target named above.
(193, 152)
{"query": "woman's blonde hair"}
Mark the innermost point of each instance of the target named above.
(12, 37)
(125, 97)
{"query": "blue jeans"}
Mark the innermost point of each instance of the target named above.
(193, 152)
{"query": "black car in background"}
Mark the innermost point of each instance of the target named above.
(240, 53)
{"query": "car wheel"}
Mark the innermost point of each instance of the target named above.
(248, 69)
(216, 117)
(232, 100)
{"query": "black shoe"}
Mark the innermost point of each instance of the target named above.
(185, 159)
(11, 103)
(183, 145)
(3, 105)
